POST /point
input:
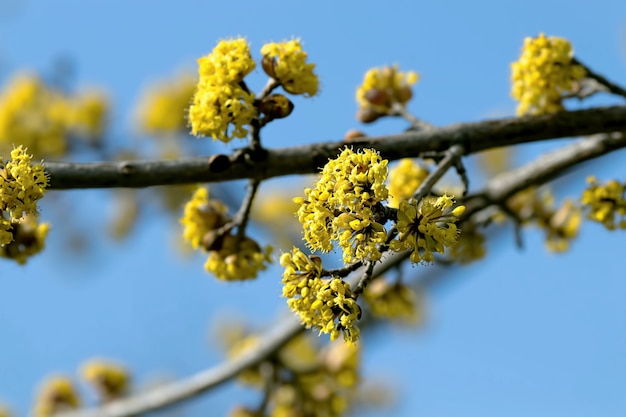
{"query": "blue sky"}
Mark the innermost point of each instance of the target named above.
(522, 333)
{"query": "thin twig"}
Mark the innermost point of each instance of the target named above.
(496, 191)
(610, 86)
(306, 159)
(417, 124)
(365, 279)
(246, 206)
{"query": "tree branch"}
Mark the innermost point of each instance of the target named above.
(473, 137)
(496, 191)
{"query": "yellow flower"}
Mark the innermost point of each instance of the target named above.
(470, 245)
(109, 379)
(345, 206)
(55, 395)
(404, 180)
(162, 108)
(27, 238)
(34, 116)
(392, 301)
(543, 73)
(286, 61)
(605, 202)
(201, 216)
(327, 305)
(222, 106)
(562, 226)
(235, 259)
(87, 115)
(384, 87)
(426, 227)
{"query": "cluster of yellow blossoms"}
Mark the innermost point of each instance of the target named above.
(345, 206)
(327, 305)
(543, 73)
(58, 394)
(220, 98)
(307, 380)
(231, 257)
(382, 88)
(110, 380)
(223, 106)
(426, 226)
(393, 301)
(286, 62)
(163, 106)
(404, 179)
(560, 225)
(43, 119)
(21, 186)
(605, 202)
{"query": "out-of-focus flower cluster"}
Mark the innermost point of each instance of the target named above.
(223, 107)
(162, 110)
(22, 185)
(231, 257)
(43, 119)
(302, 379)
(110, 380)
(58, 394)
(561, 225)
(404, 179)
(395, 301)
(382, 88)
(605, 202)
(327, 305)
(543, 73)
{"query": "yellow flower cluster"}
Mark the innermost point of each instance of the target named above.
(470, 245)
(28, 236)
(162, 110)
(4, 411)
(327, 391)
(21, 186)
(109, 379)
(222, 106)
(382, 88)
(230, 257)
(392, 301)
(40, 118)
(605, 202)
(307, 380)
(560, 225)
(426, 226)
(286, 62)
(404, 179)
(237, 259)
(327, 305)
(543, 73)
(345, 206)
(57, 394)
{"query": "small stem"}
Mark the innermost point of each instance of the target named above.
(610, 86)
(342, 272)
(243, 215)
(270, 86)
(366, 278)
(399, 110)
(451, 157)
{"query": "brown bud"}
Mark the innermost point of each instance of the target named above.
(377, 97)
(269, 65)
(276, 106)
(219, 163)
(353, 134)
(367, 115)
(212, 240)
